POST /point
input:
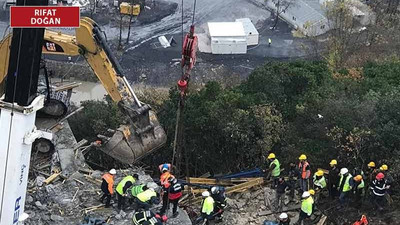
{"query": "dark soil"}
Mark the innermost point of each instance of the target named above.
(158, 11)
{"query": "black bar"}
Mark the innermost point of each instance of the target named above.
(24, 62)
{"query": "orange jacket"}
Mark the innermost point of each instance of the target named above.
(362, 221)
(110, 181)
(305, 174)
(164, 179)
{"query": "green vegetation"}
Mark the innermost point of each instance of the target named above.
(285, 107)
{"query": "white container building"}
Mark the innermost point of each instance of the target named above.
(227, 38)
(250, 31)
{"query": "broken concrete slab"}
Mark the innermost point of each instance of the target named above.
(64, 142)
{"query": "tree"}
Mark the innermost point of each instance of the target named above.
(280, 6)
(351, 146)
(121, 22)
(93, 7)
(130, 21)
(95, 118)
(341, 36)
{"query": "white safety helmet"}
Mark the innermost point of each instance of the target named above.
(305, 194)
(343, 171)
(205, 194)
(283, 216)
(113, 171)
(214, 190)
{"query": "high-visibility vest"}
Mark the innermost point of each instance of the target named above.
(306, 205)
(361, 185)
(146, 195)
(305, 174)
(346, 186)
(208, 205)
(110, 181)
(277, 170)
(321, 183)
(137, 190)
(121, 184)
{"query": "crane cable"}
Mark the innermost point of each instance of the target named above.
(178, 127)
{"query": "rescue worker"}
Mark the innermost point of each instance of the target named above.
(389, 181)
(358, 185)
(146, 199)
(370, 176)
(107, 186)
(333, 179)
(312, 194)
(135, 190)
(280, 193)
(293, 175)
(148, 218)
(269, 42)
(305, 172)
(306, 207)
(207, 208)
(319, 184)
(122, 189)
(371, 173)
(362, 221)
(274, 170)
(344, 185)
(378, 187)
(165, 184)
(218, 194)
(284, 219)
(175, 193)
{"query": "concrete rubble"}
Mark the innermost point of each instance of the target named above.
(75, 194)
(253, 208)
(64, 202)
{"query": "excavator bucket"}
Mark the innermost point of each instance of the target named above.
(127, 146)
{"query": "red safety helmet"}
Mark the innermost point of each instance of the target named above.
(380, 176)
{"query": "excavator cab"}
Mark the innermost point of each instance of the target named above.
(143, 133)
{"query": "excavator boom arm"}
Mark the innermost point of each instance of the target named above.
(143, 134)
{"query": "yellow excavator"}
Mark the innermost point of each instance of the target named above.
(130, 142)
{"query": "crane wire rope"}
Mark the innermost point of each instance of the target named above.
(12, 118)
(181, 99)
(178, 127)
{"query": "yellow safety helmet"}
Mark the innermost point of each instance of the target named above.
(319, 173)
(358, 178)
(271, 156)
(371, 164)
(303, 157)
(333, 162)
(384, 167)
(311, 191)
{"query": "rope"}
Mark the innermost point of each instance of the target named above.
(11, 120)
(194, 10)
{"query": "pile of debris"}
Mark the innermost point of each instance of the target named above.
(63, 189)
(249, 201)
